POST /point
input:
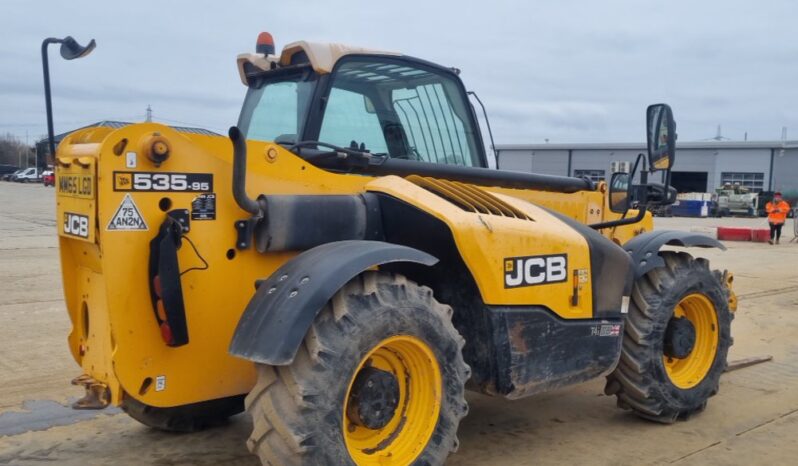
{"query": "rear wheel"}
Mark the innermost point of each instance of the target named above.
(379, 380)
(187, 418)
(676, 338)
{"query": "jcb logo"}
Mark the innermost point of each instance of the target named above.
(76, 225)
(535, 270)
(122, 181)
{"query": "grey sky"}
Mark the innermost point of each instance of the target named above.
(563, 70)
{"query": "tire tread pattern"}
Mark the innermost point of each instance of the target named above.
(639, 381)
(283, 402)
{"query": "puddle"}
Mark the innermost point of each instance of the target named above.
(43, 414)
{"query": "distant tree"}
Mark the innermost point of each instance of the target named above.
(13, 151)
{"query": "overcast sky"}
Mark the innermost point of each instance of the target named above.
(567, 71)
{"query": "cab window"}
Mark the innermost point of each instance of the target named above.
(402, 109)
(348, 120)
(275, 109)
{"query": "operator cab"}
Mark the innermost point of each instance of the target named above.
(374, 112)
(382, 103)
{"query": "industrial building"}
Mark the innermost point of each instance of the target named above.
(699, 167)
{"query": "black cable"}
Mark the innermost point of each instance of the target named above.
(205, 263)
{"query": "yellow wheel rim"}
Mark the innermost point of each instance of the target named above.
(690, 371)
(404, 437)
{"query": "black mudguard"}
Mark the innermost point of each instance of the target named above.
(644, 248)
(279, 315)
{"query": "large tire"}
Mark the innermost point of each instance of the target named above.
(187, 418)
(648, 380)
(298, 410)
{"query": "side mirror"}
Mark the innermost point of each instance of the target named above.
(619, 192)
(661, 131)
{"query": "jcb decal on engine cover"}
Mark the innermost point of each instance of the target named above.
(81, 186)
(163, 182)
(127, 217)
(535, 270)
(76, 225)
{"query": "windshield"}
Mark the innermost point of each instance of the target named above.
(275, 109)
(399, 108)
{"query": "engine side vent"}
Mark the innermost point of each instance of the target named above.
(467, 197)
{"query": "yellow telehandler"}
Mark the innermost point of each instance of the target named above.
(346, 264)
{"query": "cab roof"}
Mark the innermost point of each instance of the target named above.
(322, 56)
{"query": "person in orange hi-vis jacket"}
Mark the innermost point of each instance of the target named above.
(777, 210)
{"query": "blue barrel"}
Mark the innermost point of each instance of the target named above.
(690, 208)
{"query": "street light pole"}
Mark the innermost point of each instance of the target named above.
(47, 98)
(70, 50)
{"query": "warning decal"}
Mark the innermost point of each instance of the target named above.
(127, 217)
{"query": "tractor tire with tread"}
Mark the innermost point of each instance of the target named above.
(297, 410)
(640, 381)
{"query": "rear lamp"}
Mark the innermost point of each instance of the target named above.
(166, 333)
(156, 285)
(160, 312)
(166, 293)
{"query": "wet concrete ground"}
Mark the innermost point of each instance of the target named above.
(753, 420)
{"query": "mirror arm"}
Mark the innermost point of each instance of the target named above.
(641, 157)
(643, 171)
(641, 212)
(667, 183)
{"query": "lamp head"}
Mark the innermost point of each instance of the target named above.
(70, 49)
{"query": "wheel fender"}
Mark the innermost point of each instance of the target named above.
(644, 248)
(280, 313)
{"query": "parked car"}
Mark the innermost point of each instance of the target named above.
(30, 175)
(7, 170)
(11, 176)
(48, 178)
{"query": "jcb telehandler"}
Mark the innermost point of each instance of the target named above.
(346, 264)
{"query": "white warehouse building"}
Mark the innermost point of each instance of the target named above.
(699, 166)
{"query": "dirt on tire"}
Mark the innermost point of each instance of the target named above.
(640, 382)
(297, 410)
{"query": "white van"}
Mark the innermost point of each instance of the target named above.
(30, 175)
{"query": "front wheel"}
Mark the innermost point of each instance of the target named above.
(676, 338)
(379, 380)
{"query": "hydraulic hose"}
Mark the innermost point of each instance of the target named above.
(240, 173)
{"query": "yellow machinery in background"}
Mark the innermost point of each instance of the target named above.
(345, 264)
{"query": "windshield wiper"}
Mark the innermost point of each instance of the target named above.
(354, 156)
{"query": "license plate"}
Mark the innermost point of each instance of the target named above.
(76, 185)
